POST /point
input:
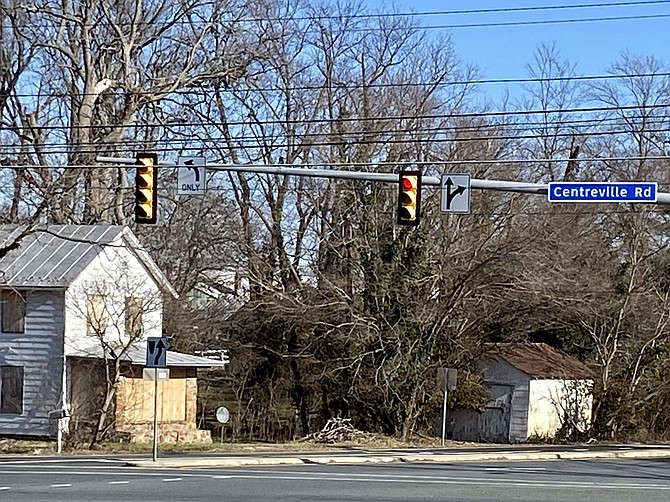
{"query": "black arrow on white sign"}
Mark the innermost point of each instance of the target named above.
(452, 194)
(189, 165)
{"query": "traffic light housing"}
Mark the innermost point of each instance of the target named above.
(146, 188)
(409, 198)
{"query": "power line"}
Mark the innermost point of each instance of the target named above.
(339, 86)
(545, 22)
(123, 146)
(412, 14)
(460, 115)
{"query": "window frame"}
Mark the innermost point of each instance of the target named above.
(97, 315)
(15, 404)
(18, 300)
(133, 324)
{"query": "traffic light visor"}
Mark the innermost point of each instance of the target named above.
(145, 188)
(409, 195)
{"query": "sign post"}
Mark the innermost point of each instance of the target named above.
(156, 359)
(446, 380)
(222, 416)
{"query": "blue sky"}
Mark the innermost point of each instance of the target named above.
(503, 52)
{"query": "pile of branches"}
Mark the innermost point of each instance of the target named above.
(338, 430)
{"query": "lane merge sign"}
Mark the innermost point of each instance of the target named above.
(156, 352)
(624, 191)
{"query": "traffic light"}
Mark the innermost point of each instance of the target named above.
(409, 198)
(146, 188)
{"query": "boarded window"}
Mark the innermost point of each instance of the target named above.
(13, 312)
(133, 314)
(11, 389)
(97, 316)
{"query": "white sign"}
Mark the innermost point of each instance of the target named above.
(154, 374)
(191, 176)
(455, 193)
(222, 415)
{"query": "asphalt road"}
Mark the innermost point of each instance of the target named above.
(75, 480)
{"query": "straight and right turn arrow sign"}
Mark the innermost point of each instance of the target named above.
(455, 193)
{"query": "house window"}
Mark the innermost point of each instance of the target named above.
(96, 315)
(13, 312)
(11, 389)
(133, 315)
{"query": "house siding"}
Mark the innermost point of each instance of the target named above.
(553, 400)
(39, 350)
(118, 272)
(502, 373)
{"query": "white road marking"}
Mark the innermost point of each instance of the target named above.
(5, 488)
(469, 481)
(167, 480)
(63, 461)
(533, 469)
(62, 485)
(119, 482)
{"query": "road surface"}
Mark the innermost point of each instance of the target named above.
(86, 479)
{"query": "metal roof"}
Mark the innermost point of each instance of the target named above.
(137, 355)
(53, 256)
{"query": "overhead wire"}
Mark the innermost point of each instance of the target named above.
(238, 18)
(339, 86)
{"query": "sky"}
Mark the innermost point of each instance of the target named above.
(502, 52)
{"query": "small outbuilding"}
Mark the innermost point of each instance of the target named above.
(534, 390)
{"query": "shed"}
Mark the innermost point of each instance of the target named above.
(534, 389)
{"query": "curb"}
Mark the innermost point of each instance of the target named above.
(176, 463)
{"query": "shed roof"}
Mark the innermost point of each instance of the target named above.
(542, 361)
(137, 355)
(52, 256)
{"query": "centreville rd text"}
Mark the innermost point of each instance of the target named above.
(602, 192)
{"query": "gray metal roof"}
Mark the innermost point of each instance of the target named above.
(137, 355)
(53, 256)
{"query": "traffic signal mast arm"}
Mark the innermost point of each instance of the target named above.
(497, 185)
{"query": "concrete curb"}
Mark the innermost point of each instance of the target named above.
(176, 463)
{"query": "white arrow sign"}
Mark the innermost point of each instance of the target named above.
(191, 176)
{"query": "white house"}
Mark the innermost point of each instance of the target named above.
(534, 389)
(73, 296)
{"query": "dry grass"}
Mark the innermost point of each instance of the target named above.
(30, 447)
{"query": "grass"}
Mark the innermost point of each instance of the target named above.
(30, 447)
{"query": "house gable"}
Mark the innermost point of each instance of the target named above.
(99, 299)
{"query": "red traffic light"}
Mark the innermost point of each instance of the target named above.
(409, 197)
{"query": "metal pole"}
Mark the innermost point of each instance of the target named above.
(280, 169)
(444, 416)
(154, 449)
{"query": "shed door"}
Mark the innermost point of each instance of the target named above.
(494, 422)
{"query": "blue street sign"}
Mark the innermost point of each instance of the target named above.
(156, 352)
(624, 191)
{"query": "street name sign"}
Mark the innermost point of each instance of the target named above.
(623, 191)
(191, 176)
(455, 193)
